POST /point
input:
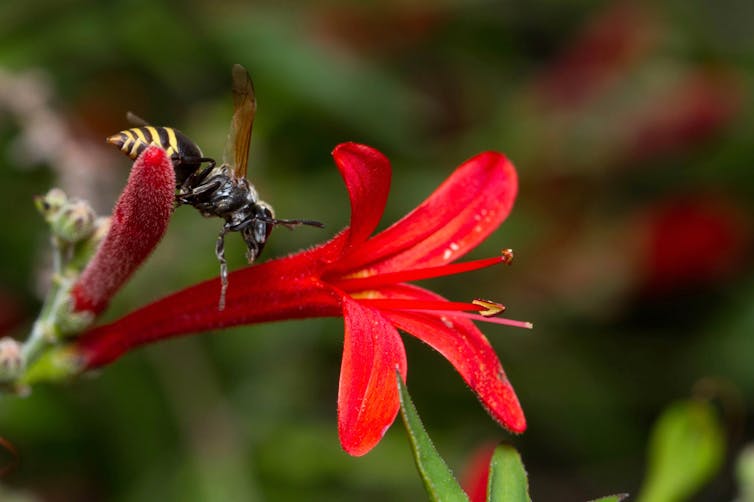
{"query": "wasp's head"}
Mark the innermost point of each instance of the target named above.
(256, 233)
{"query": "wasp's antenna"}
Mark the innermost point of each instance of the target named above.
(292, 223)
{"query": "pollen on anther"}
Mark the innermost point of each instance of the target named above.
(490, 308)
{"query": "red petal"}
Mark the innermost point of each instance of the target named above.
(459, 215)
(367, 396)
(139, 221)
(287, 288)
(467, 349)
(366, 173)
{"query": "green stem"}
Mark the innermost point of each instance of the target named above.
(45, 330)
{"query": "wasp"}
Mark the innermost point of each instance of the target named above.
(216, 190)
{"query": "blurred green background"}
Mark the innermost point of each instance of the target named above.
(630, 125)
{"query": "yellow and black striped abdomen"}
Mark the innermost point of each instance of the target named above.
(186, 155)
(133, 141)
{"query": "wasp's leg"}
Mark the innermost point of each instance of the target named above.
(254, 233)
(209, 186)
(199, 175)
(220, 253)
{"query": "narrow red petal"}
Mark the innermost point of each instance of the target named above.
(459, 215)
(366, 282)
(139, 221)
(285, 288)
(467, 349)
(366, 173)
(367, 395)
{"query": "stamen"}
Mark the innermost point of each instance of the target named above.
(491, 308)
(493, 320)
(507, 255)
(450, 309)
(375, 281)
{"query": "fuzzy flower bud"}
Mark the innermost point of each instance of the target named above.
(139, 221)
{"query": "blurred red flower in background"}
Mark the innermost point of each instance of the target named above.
(11, 311)
(363, 26)
(690, 241)
(614, 39)
(694, 109)
(601, 103)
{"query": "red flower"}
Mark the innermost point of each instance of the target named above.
(364, 280)
(696, 108)
(691, 241)
(600, 54)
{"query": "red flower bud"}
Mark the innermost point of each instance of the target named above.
(139, 221)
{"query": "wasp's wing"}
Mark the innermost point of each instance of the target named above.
(135, 120)
(244, 109)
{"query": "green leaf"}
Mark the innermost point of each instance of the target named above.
(508, 481)
(439, 482)
(685, 450)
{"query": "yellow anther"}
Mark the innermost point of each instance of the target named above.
(490, 308)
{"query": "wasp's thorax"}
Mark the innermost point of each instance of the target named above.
(217, 193)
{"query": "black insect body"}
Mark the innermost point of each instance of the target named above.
(223, 190)
(236, 201)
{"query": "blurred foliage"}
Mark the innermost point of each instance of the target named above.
(686, 449)
(630, 126)
(745, 474)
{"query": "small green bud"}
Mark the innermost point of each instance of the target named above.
(74, 221)
(69, 323)
(50, 203)
(71, 220)
(11, 359)
(85, 249)
(101, 227)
